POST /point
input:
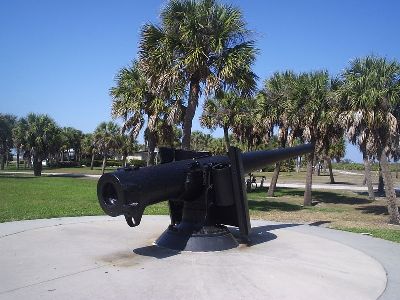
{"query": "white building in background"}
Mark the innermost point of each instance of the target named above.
(142, 155)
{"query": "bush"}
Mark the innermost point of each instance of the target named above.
(99, 162)
(137, 162)
(64, 164)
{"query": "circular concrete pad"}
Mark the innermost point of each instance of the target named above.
(101, 257)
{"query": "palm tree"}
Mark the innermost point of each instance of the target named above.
(203, 44)
(18, 133)
(7, 123)
(217, 146)
(106, 139)
(312, 119)
(201, 141)
(335, 149)
(276, 107)
(370, 99)
(252, 130)
(88, 148)
(133, 102)
(41, 139)
(225, 110)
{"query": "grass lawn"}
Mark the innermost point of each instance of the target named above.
(72, 170)
(28, 197)
(344, 210)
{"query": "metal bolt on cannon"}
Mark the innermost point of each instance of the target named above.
(205, 193)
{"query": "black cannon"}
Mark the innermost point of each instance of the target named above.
(204, 193)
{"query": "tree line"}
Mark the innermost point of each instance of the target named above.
(204, 48)
(37, 138)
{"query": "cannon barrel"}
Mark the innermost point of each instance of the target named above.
(259, 159)
(128, 191)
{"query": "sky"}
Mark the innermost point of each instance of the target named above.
(61, 57)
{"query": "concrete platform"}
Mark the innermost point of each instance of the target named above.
(101, 257)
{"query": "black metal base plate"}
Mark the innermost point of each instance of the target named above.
(189, 238)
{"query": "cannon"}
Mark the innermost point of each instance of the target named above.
(204, 193)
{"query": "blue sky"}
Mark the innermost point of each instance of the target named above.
(60, 57)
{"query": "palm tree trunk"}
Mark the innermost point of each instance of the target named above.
(381, 184)
(152, 146)
(92, 162)
(103, 167)
(329, 162)
(7, 157)
(368, 179)
(226, 138)
(25, 161)
(274, 180)
(190, 111)
(37, 166)
(298, 164)
(307, 190)
(2, 155)
(17, 158)
(124, 155)
(393, 209)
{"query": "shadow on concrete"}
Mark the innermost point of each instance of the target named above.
(258, 235)
(261, 234)
(155, 251)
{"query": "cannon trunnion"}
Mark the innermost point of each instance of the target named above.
(204, 194)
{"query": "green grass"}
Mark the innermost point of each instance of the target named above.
(386, 234)
(72, 170)
(28, 197)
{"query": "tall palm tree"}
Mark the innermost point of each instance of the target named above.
(276, 106)
(135, 103)
(331, 132)
(370, 99)
(106, 139)
(18, 133)
(7, 123)
(225, 110)
(88, 147)
(252, 130)
(41, 139)
(335, 149)
(204, 44)
(201, 141)
(312, 119)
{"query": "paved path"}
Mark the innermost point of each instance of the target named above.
(101, 257)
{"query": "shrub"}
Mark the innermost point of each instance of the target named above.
(64, 164)
(137, 162)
